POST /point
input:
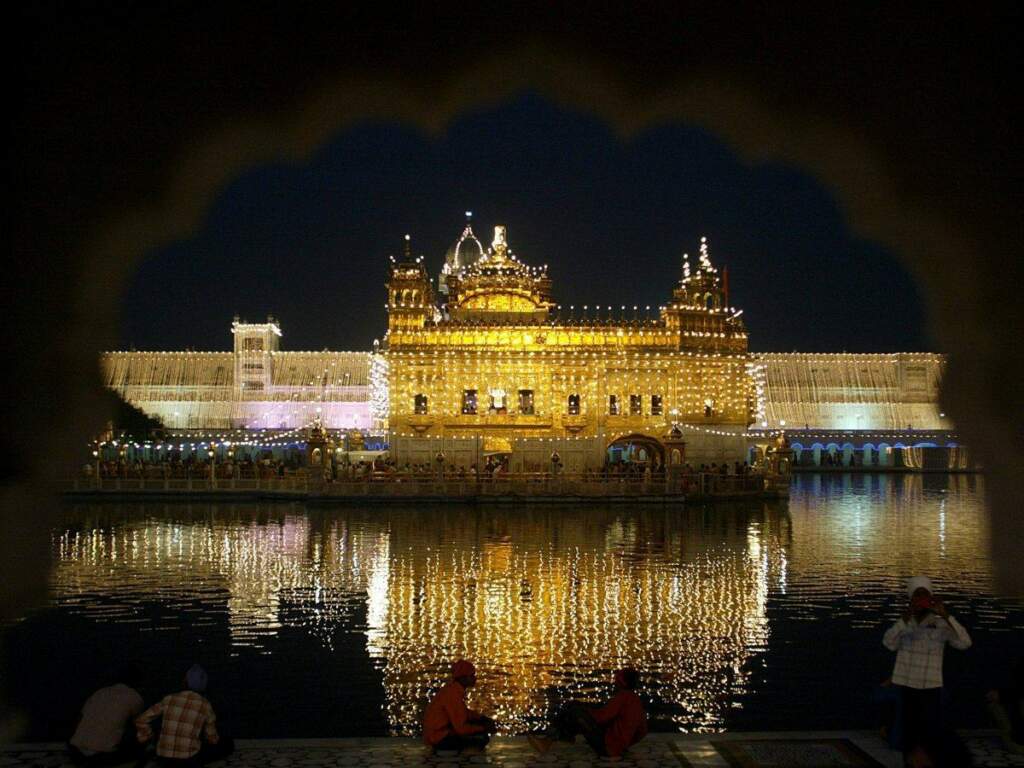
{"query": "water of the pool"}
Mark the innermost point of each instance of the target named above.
(340, 621)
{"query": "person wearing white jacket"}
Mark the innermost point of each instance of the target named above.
(919, 639)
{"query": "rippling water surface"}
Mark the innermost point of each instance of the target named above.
(340, 621)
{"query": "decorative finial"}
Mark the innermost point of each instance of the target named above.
(499, 246)
(705, 257)
(408, 247)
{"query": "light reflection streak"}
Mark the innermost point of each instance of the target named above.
(540, 603)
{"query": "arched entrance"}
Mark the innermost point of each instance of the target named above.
(496, 453)
(884, 455)
(636, 448)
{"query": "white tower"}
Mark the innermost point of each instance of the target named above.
(254, 345)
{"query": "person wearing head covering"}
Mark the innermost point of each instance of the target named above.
(102, 736)
(186, 717)
(611, 729)
(919, 638)
(447, 723)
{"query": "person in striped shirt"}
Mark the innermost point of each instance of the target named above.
(187, 720)
(919, 638)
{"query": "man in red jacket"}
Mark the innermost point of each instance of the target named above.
(611, 729)
(448, 723)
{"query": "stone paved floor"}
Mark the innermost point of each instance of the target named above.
(657, 750)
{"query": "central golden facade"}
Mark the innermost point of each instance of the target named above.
(500, 368)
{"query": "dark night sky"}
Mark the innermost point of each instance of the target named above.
(611, 219)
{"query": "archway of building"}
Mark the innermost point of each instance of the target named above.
(851, 455)
(870, 454)
(885, 453)
(179, 147)
(636, 449)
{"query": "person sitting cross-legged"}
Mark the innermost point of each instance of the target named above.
(448, 724)
(610, 730)
(185, 717)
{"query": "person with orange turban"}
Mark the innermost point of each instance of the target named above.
(448, 724)
(611, 729)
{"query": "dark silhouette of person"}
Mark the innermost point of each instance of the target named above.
(610, 730)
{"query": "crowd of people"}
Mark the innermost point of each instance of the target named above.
(182, 726)
(192, 466)
(384, 468)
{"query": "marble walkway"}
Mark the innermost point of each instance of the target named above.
(798, 749)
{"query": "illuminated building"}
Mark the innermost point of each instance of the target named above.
(256, 386)
(490, 363)
(500, 368)
(853, 392)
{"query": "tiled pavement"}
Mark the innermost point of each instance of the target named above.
(661, 749)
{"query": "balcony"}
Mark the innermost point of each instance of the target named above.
(420, 422)
(574, 423)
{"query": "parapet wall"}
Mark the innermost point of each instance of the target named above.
(853, 391)
(197, 390)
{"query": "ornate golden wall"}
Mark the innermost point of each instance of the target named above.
(553, 363)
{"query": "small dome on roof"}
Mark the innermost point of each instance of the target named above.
(466, 250)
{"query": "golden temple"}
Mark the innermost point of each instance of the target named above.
(499, 368)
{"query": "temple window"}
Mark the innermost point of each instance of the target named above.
(635, 405)
(613, 405)
(526, 401)
(420, 404)
(252, 345)
(574, 405)
(469, 401)
(497, 404)
(656, 409)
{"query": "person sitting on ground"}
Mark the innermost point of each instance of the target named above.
(1006, 706)
(103, 736)
(185, 717)
(448, 724)
(610, 730)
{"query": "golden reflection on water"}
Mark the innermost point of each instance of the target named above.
(545, 600)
